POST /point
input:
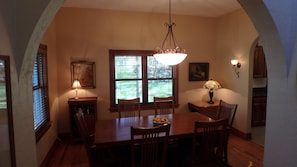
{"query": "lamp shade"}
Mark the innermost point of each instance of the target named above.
(76, 84)
(170, 58)
(211, 84)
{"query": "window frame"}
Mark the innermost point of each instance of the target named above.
(45, 125)
(144, 105)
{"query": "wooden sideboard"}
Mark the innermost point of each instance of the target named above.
(88, 105)
(204, 107)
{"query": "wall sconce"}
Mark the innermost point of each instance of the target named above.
(236, 66)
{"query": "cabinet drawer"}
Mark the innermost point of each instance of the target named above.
(259, 100)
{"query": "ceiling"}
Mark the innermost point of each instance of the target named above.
(206, 8)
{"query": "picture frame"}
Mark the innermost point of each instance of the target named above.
(84, 71)
(198, 71)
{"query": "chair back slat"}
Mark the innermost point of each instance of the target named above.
(164, 105)
(149, 145)
(129, 107)
(228, 111)
(208, 141)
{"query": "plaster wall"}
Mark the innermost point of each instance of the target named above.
(235, 37)
(88, 34)
(278, 35)
(20, 27)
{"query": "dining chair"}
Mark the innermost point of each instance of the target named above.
(227, 111)
(149, 146)
(207, 144)
(96, 156)
(129, 107)
(164, 105)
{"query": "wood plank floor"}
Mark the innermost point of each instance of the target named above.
(242, 153)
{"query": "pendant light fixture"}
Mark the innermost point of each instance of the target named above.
(170, 53)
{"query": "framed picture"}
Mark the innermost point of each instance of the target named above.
(198, 71)
(84, 71)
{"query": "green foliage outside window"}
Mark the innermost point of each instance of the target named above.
(138, 74)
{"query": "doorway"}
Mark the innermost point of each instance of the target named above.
(259, 95)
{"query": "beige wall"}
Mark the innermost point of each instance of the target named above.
(87, 34)
(236, 36)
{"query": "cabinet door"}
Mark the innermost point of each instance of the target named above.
(88, 105)
(259, 63)
(259, 111)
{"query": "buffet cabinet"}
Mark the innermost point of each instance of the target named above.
(204, 108)
(88, 105)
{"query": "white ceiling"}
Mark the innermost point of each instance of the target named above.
(207, 8)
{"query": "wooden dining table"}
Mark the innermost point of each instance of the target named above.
(115, 132)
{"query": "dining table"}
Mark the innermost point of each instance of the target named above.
(113, 132)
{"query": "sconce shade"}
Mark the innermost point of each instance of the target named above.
(211, 85)
(76, 84)
(234, 62)
(236, 65)
(170, 53)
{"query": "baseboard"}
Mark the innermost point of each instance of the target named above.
(63, 138)
(50, 154)
(246, 136)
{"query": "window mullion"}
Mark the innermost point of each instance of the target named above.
(156, 85)
(144, 80)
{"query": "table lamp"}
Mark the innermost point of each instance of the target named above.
(76, 85)
(211, 85)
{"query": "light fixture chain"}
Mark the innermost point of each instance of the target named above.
(169, 12)
(170, 53)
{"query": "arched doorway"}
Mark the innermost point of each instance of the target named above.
(259, 92)
(246, 4)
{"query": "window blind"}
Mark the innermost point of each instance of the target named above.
(40, 92)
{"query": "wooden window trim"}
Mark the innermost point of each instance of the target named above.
(40, 131)
(143, 106)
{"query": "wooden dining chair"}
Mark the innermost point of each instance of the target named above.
(149, 146)
(96, 156)
(164, 105)
(129, 107)
(207, 145)
(227, 111)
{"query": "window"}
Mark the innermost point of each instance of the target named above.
(136, 73)
(40, 93)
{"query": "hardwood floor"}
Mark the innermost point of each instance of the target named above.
(242, 153)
